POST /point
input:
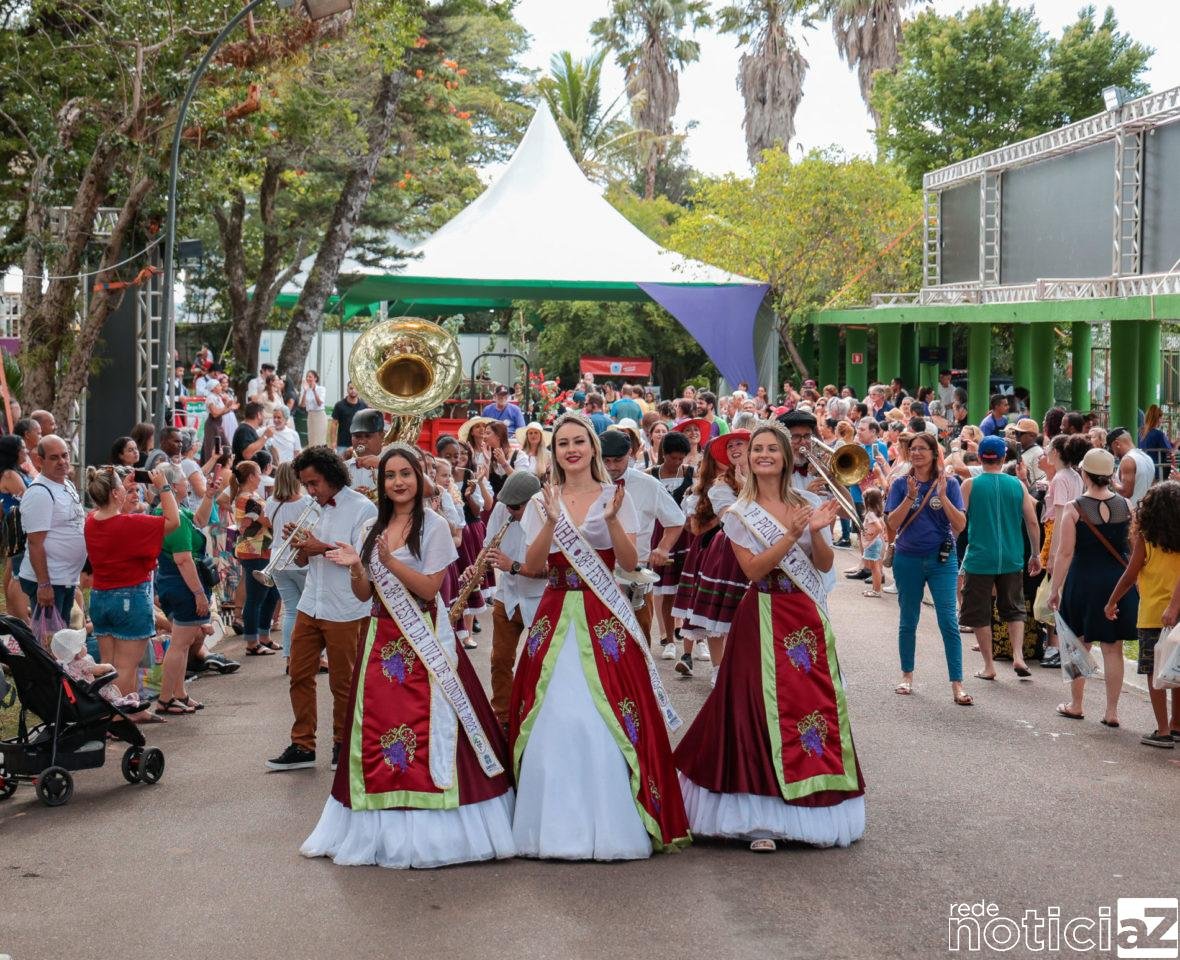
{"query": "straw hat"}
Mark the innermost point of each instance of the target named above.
(522, 432)
(465, 430)
(718, 445)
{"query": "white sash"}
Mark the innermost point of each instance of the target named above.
(416, 628)
(586, 561)
(796, 564)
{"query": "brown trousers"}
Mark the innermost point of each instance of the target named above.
(643, 615)
(309, 638)
(506, 633)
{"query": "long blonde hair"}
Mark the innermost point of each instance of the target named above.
(788, 494)
(597, 468)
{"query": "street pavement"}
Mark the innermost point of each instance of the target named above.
(1003, 801)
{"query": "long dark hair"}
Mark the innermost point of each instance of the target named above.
(385, 504)
(10, 448)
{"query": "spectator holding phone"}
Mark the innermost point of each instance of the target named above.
(123, 549)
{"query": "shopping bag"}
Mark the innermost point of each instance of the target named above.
(1076, 660)
(46, 621)
(1167, 660)
(1041, 609)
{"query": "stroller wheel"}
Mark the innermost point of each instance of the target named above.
(7, 784)
(151, 767)
(133, 764)
(55, 786)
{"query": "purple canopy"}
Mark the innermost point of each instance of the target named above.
(720, 319)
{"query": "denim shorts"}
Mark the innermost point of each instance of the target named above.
(178, 603)
(125, 613)
(875, 550)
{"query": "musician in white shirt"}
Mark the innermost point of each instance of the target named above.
(368, 431)
(652, 502)
(517, 593)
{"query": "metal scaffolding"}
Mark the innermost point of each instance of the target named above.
(1128, 202)
(990, 202)
(931, 239)
(148, 314)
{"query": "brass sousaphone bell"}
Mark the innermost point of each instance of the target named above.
(405, 366)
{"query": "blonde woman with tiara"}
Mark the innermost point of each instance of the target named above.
(770, 755)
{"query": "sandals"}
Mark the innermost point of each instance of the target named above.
(964, 699)
(469, 644)
(259, 651)
(1064, 711)
(765, 845)
(904, 689)
(190, 702)
(174, 708)
(872, 593)
(1023, 672)
(269, 644)
(983, 676)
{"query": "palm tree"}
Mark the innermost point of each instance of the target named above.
(596, 136)
(770, 72)
(867, 34)
(649, 43)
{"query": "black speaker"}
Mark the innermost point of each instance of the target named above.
(932, 355)
(110, 399)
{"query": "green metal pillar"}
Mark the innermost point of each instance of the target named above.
(1040, 368)
(856, 359)
(946, 343)
(829, 356)
(1082, 337)
(888, 351)
(979, 370)
(1124, 374)
(1150, 356)
(909, 356)
(927, 372)
(1022, 356)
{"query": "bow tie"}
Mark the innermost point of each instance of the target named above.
(331, 502)
(802, 471)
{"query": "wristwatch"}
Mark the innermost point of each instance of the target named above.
(515, 568)
(167, 488)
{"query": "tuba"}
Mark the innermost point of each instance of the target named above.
(839, 468)
(405, 366)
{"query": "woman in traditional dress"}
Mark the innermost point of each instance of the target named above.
(720, 581)
(410, 790)
(677, 479)
(770, 755)
(591, 753)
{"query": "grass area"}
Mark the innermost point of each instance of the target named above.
(1131, 649)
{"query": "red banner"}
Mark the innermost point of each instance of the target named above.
(635, 367)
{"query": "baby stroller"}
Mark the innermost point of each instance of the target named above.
(76, 721)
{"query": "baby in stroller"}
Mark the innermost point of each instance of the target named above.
(69, 649)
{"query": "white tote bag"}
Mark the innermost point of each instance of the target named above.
(1167, 659)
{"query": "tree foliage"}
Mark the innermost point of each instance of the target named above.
(868, 34)
(989, 76)
(821, 231)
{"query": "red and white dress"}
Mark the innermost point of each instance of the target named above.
(720, 583)
(670, 572)
(409, 790)
(771, 752)
(593, 762)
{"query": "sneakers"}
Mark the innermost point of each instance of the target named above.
(842, 542)
(864, 573)
(335, 755)
(1156, 739)
(1051, 658)
(684, 665)
(700, 651)
(892, 588)
(872, 593)
(669, 651)
(293, 758)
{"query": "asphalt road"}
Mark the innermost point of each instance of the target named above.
(1003, 801)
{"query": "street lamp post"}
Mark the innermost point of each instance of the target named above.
(317, 10)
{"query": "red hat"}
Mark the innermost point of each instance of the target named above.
(717, 446)
(703, 425)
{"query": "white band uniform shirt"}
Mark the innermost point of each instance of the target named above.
(327, 595)
(55, 510)
(359, 477)
(652, 502)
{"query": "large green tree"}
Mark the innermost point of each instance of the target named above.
(989, 76)
(825, 230)
(650, 41)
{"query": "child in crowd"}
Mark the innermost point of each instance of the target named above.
(872, 538)
(69, 649)
(1154, 568)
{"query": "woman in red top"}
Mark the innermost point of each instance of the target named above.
(123, 548)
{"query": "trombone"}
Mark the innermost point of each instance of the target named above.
(284, 556)
(839, 468)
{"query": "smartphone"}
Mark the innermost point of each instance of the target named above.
(217, 444)
(142, 476)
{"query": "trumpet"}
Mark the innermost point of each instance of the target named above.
(284, 556)
(476, 571)
(839, 468)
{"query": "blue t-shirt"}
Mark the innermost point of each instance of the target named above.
(601, 422)
(931, 528)
(991, 426)
(510, 415)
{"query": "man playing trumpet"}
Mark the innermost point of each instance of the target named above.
(368, 434)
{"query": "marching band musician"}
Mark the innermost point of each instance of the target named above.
(368, 432)
(652, 502)
(517, 593)
(802, 425)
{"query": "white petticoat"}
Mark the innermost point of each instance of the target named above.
(573, 798)
(748, 816)
(413, 838)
